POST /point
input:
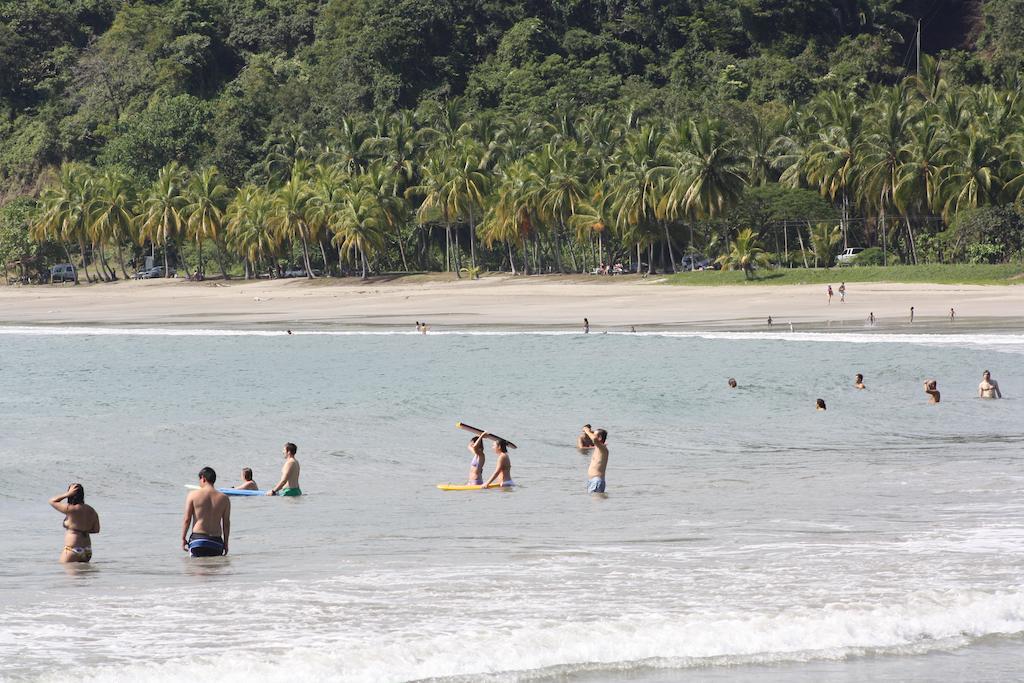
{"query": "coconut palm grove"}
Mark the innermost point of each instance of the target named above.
(256, 138)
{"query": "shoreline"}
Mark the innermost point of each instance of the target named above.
(534, 303)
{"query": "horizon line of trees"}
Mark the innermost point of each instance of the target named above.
(900, 168)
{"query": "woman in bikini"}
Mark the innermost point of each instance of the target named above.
(476, 467)
(80, 520)
(503, 468)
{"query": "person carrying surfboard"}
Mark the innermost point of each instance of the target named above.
(598, 460)
(476, 467)
(208, 517)
(503, 469)
(289, 484)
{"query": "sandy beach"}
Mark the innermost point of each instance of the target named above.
(500, 301)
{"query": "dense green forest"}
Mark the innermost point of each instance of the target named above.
(531, 136)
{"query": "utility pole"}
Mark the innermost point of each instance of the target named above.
(918, 48)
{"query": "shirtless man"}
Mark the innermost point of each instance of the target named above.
(208, 517)
(858, 382)
(989, 388)
(503, 469)
(80, 520)
(931, 387)
(732, 383)
(247, 483)
(584, 442)
(598, 460)
(289, 484)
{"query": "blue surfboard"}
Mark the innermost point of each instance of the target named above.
(233, 492)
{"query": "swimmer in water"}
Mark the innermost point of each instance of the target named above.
(80, 522)
(503, 469)
(858, 381)
(583, 441)
(598, 461)
(476, 466)
(247, 483)
(989, 388)
(732, 383)
(820, 404)
(931, 387)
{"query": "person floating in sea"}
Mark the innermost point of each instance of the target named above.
(476, 466)
(820, 404)
(503, 468)
(583, 441)
(207, 524)
(289, 331)
(931, 387)
(732, 382)
(247, 483)
(598, 459)
(80, 521)
(586, 326)
(769, 321)
(830, 293)
(952, 315)
(911, 315)
(989, 388)
(289, 484)
(871, 318)
(858, 382)
(842, 293)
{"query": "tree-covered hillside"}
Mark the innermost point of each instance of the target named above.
(117, 96)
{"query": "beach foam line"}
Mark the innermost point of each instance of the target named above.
(1011, 340)
(538, 649)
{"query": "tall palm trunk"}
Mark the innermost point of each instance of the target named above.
(222, 260)
(362, 257)
(558, 251)
(401, 249)
(511, 259)
(167, 261)
(913, 245)
(323, 253)
(671, 254)
(305, 255)
(199, 248)
(120, 262)
(472, 240)
(457, 252)
(650, 259)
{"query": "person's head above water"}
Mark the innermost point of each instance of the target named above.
(601, 436)
(208, 475)
(820, 405)
(77, 496)
(986, 375)
(859, 378)
(246, 474)
(291, 449)
(500, 446)
(732, 382)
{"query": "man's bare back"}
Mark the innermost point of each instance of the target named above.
(207, 523)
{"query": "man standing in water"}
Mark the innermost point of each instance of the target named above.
(911, 315)
(289, 484)
(931, 387)
(989, 388)
(586, 326)
(208, 516)
(598, 460)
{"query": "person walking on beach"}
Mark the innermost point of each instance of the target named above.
(842, 293)
(80, 521)
(583, 441)
(289, 483)
(598, 460)
(247, 483)
(830, 294)
(911, 315)
(207, 517)
(989, 388)
(586, 326)
(952, 315)
(503, 468)
(769, 321)
(476, 465)
(931, 387)
(871, 318)
(858, 382)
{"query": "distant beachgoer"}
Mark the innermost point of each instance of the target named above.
(207, 524)
(989, 388)
(952, 315)
(769, 321)
(476, 466)
(289, 331)
(632, 329)
(830, 293)
(732, 383)
(871, 318)
(423, 328)
(289, 484)
(586, 326)
(247, 483)
(820, 404)
(503, 469)
(583, 441)
(417, 325)
(791, 327)
(80, 521)
(598, 460)
(842, 293)
(931, 387)
(911, 314)
(858, 381)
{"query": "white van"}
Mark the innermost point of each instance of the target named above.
(62, 272)
(848, 255)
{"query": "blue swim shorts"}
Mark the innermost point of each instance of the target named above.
(596, 485)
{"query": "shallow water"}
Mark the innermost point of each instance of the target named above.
(743, 533)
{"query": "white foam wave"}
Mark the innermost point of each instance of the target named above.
(1005, 340)
(543, 648)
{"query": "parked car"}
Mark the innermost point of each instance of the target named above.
(62, 272)
(848, 256)
(150, 273)
(696, 262)
(299, 272)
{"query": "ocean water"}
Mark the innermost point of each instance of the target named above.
(744, 534)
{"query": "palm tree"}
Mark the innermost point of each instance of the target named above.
(359, 226)
(206, 200)
(249, 230)
(824, 240)
(744, 254)
(65, 211)
(113, 214)
(163, 210)
(294, 211)
(883, 156)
